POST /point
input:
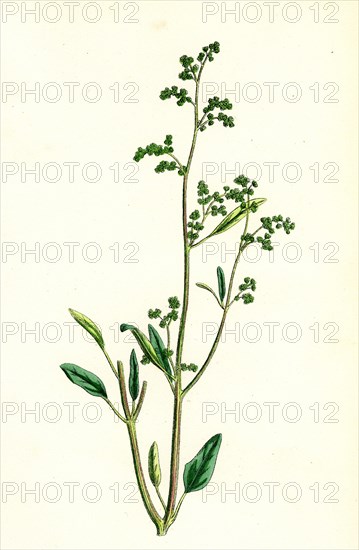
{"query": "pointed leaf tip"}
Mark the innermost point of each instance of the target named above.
(159, 348)
(154, 468)
(134, 384)
(144, 344)
(234, 217)
(90, 327)
(221, 283)
(198, 472)
(126, 326)
(87, 380)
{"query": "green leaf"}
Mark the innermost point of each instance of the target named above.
(198, 472)
(154, 468)
(144, 344)
(234, 217)
(159, 348)
(221, 283)
(206, 287)
(85, 379)
(134, 383)
(89, 326)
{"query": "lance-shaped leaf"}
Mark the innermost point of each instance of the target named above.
(234, 217)
(198, 472)
(154, 468)
(89, 326)
(221, 283)
(85, 379)
(159, 348)
(134, 383)
(144, 344)
(207, 287)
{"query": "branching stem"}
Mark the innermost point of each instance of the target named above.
(224, 316)
(177, 412)
(140, 401)
(116, 411)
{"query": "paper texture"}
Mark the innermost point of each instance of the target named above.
(91, 230)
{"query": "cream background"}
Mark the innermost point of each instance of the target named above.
(147, 213)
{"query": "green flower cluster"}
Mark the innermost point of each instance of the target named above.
(222, 105)
(247, 284)
(228, 121)
(158, 150)
(195, 226)
(154, 313)
(172, 315)
(174, 302)
(270, 225)
(280, 222)
(153, 149)
(247, 298)
(242, 195)
(207, 52)
(191, 367)
(205, 198)
(215, 210)
(216, 103)
(203, 193)
(189, 70)
(209, 200)
(180, 94)
(165, 165)
(212, 203)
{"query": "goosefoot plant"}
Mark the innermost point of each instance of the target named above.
(197, 472)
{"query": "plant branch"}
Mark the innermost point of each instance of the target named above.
(123, 391)
(116, 411)
(224, 316)
(200, 242)
(180, 165)
(160, 497)
(177, 412)
(110, 363)
(169, 345)
(179, 505)
(140, 401)
(206, 287)
(151, 510)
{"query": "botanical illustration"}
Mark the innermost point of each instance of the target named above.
(235, 206)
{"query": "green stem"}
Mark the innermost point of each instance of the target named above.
(131, 427)
(151, 510)
(179, 505)
(110, 363)
(140, 401)
(160, 497)
(224, 316)
(177, 409)
(212, 292)
(123, 391)
(169, 345)
(186, 247)
(115, 411)
(175, 452)
(180, 165)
